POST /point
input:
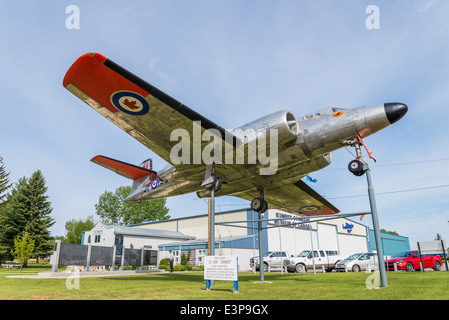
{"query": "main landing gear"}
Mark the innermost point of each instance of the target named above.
(215, 182)
(211, 181)
(259, 204)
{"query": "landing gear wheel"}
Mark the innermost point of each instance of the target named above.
(216, 184)
(259, 205)
(356, 167)
(265, 206)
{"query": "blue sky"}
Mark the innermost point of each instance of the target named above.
(233, 62)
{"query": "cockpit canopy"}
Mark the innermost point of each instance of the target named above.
(322, 112)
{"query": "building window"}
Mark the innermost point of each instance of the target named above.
(97, 238)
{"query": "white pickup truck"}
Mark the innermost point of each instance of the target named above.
(270, 259)
(306, 259)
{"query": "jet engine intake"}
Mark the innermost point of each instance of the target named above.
(283, 121)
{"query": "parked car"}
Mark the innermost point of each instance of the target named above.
(358, 262)
(307, 259)
(410, 260)
(271, 258)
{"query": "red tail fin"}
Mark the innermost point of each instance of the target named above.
(124, 169)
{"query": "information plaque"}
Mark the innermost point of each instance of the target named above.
(221, 268)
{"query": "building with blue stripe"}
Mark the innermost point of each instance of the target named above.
(236, 234)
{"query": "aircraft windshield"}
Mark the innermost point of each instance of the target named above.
(322, 112)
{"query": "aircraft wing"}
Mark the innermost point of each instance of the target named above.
(296, 198)
(143, 111)
(150, 116)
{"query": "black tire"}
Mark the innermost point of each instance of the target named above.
(300, 268)
(264, 207)
(409, 267)
(258, 205)
(356, 167)
(437, 266)
(356, 268)
(218, 184)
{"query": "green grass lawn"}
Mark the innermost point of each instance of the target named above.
(191, 286)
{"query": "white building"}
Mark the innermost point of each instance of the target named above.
(107, 236)
(342, 235)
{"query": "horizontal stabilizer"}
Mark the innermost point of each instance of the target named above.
(124, 169)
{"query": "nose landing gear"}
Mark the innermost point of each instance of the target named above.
(359, 167)
(356, 167)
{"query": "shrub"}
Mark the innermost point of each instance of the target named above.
(162, 266)
(183, 259)
(165, 262)
(178, 267)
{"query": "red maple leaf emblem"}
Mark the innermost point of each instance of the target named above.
(130, 104)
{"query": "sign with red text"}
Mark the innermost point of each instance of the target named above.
(221, 268)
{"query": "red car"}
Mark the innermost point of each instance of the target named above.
(410, 260)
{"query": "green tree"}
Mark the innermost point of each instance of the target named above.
(390, 232)
(13, 223)
(75, 229)
(23, 248)
(113, 209)
(4, 181)
(28, 209)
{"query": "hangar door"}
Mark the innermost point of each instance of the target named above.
(327, 237)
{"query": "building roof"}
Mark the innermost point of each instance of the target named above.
(149, 232)
(189, 217)
(225, 242)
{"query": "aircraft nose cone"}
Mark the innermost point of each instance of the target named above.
(395, 111)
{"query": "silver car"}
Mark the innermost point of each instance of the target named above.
(358, 262)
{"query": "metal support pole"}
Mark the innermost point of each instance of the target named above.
(114, 252)
(141, 258)
(420, 257)
(380, 251)
(261, 265)
(212, 227)
(54, 267)
(444, 254)
(89, 252)
(212, 223)
(122, 263)
(311, 252)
